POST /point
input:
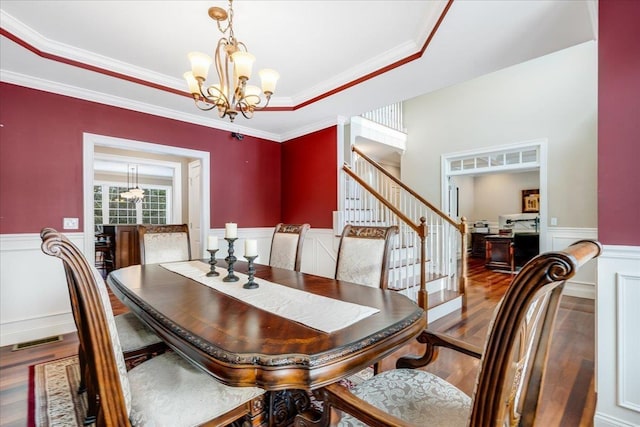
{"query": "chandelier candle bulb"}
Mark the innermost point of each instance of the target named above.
(212, 242)
(192, 82)
(269, 78)
(231, 230)
(243, 63)
(200, 64)
(250, 248)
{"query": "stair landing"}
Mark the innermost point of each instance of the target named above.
(441, 300)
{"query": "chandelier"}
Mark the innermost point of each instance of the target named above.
(231, 95)
(133, 194)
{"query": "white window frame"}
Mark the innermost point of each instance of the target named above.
(105, 199)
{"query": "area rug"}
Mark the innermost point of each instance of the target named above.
(53, 394)
(54, 400)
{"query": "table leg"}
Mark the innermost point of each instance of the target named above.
(284, 405)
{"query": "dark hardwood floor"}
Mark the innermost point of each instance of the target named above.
(569, 397)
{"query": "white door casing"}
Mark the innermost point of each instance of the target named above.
(195, 196)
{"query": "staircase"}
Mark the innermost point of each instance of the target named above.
(426, 262)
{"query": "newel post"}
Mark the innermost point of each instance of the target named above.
(423, 300)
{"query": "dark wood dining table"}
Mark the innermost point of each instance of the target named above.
(242, 345)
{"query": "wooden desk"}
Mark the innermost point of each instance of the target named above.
(478, 244)
(498, 252)
(242, 345)
(501, 249)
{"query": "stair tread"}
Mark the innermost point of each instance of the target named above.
(441, 297)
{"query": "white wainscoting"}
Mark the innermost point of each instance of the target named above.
(618, 337)
(582, 284)
(34, 299)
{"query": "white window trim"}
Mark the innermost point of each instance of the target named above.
(91, 140)
(105, 199)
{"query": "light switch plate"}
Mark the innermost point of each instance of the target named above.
(554, 221)
(70, 223)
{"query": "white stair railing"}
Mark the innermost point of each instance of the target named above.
(389, 116)
(429, 242)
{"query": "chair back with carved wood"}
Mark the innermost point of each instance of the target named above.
(164, 243)
(512, 367)
(363, 255)
(96, 330)
(516, 352)
(166, 390)
(286, 246)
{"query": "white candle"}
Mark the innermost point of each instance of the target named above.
(250, 247)
(212, 242)
(231, 230)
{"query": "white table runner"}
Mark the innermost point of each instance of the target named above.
(316, 311)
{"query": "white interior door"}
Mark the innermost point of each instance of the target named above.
(195, 202)
(454, 199)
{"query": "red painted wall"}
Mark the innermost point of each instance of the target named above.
(41, 160)
(309, 178)
(619, 122)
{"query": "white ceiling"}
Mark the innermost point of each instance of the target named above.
(317, 46)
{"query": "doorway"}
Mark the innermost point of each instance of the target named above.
(91, 141)
(525, 156)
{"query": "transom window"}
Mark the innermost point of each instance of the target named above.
(509, 159)
(110, 208)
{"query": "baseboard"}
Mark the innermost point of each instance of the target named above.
(37, 328)
(603, 420)
(580, 290)
(442, 310)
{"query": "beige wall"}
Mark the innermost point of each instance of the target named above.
(490, 203)
(552, 97)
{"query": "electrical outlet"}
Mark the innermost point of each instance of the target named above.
(70, 223)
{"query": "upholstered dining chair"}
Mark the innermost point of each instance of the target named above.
(164, 243)
(363, 255)
(512, 363)
(286, 246)
(166, 390)
(136, 339)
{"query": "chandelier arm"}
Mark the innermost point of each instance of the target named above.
(203, 105)
(222, 72)
(245, 109)
(216, 96)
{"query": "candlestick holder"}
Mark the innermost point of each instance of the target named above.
(251, 271)
(231, 259)
(212, 262)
